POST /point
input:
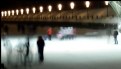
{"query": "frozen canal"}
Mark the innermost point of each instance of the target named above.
(83, 52)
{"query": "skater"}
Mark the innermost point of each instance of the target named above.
(27, 51)
(115, 36)
(49, 33)
(40, 44)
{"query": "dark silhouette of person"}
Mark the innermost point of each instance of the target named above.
(3, 66)
(27, 50)
(115, 36)
(40, 44)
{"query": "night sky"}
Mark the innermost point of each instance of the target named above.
(15, 4)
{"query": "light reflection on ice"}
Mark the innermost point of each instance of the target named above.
(77, 46)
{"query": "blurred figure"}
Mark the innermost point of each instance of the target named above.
(74, 33)
(49, 33)
(66, 33)
(27, 50)
(109, 32)
(3, 66)
(8, 46)
(115, 36)
(40, 44)
(119, 27)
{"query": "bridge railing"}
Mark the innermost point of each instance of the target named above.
(69, 16)
(37, 17)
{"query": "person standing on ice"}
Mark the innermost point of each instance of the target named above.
(49, 33)
(115, 36)
(40, 45)
(27, 50)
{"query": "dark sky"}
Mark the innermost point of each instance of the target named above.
(14, 4)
